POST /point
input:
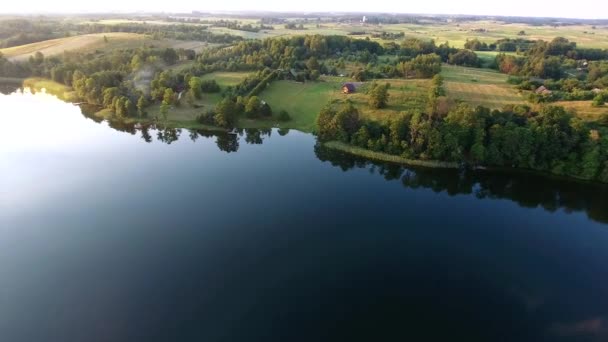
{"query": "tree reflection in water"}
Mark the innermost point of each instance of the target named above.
(527, 189)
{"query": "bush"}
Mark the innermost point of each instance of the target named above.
(515, 80)
(284, 116)
(598, 101)
(210, 86)
(206, 118)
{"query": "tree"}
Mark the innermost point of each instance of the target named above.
(359, 75)
(141, 105)
(164, 110)
(284, 116)
(465, 58)
(253, 107)
(378, 95)
(225, 113)
(326, 129)
(170, 56)
(312, 64)
(129, 107)
(425, 66)
(195, 87)
(598, 101)
(119, 108)
(168, 96)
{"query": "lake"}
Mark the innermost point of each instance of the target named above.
(110, 232)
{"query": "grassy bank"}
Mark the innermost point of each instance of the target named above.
(187, 124)
(379, 156)
(63, 92)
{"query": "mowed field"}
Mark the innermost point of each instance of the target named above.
(94, 42)
(87, 42)
(479, 87)
(584, 109)
(303, 101)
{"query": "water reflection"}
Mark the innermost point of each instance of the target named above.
(526, 189)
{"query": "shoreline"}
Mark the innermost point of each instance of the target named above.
(380, 156)
(435, 164)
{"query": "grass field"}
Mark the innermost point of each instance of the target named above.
(94, 42)
(88, 42)
(225, 79)
(404, 96)
(481, 87)
(584, 109)
(302, 101)
(454, 33)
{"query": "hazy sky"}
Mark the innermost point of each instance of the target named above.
(557, 8)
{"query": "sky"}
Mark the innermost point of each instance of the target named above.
(589, 9)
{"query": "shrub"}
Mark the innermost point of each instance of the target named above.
(284, 116)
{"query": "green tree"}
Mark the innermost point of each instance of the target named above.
(195, 85)
(253, 107)
(141, 106)
(378, 95)
(169, 96)
(313, 64)
(164, 110)
(226, 113)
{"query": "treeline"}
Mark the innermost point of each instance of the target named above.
(227, 112)
(285, 53)
(545, 60)
(14, 32)
(20, 31)
(179, 32)
(549, 140)
(235, 25)
(559, 46)
(414, 57)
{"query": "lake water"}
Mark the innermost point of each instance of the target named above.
(111, 233)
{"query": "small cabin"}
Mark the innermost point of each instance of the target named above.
(348, 88)
(542, 90)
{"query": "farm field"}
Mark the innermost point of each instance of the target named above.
(456, 33)
(479, 87)
(88, 42)
(94, 42)
(225, 79)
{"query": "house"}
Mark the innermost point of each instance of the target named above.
(542, 90)
(348, 88)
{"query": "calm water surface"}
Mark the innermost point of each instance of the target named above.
(112, 233)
